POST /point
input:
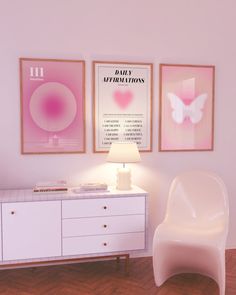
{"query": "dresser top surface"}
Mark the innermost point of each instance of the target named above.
(26, 195)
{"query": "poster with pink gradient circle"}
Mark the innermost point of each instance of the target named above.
(186, 107)
(52, 106)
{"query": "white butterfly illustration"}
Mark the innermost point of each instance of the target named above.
(193, 111)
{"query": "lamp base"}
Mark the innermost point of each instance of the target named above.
(123, 179)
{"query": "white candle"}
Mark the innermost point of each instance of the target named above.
(55, 140)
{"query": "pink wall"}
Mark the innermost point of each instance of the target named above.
(183, 31)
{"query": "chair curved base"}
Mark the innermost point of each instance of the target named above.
(172, 258)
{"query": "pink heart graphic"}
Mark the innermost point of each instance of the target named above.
(123, 99)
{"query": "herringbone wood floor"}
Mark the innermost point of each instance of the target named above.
(103, 278)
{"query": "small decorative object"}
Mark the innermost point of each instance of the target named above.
(91, 187)
(123, 152)
(122, 104)
(186, 107)
(52, 106)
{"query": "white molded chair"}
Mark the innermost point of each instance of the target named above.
(192, 237)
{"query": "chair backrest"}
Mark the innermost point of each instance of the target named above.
(198, 197)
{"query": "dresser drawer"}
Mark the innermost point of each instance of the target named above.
(103, 244)
(103, 225)
(103, 207)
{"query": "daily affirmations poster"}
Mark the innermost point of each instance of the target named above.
(122, 104)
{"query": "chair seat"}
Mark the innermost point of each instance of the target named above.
(194, 234)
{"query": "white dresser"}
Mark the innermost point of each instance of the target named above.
(50, 228)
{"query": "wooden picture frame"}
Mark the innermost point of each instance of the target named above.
(186, 109)
(122, 104)
(52, 106)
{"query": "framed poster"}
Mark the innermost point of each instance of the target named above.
(186, 108)
(52, 106)
(122, 104)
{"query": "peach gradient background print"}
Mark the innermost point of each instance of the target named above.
(187, 83)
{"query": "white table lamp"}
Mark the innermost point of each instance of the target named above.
(123, 152)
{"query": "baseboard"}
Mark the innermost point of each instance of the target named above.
(149, 253)
(231, 247)
(142, 254)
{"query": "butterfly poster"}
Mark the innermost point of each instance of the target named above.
(122, 104)
(186, 107)
(52, 106)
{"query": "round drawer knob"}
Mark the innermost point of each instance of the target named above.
(104, 207)
(104, 225)
(104, 244)
(12, 212)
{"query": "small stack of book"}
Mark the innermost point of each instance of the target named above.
(91, 187)
(59, 186)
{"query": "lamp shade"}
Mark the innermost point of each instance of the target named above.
(123, 152)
